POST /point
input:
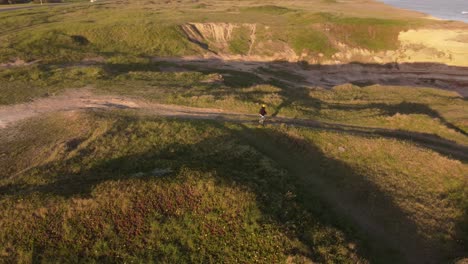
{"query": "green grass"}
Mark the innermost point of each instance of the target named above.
(136, 38)
(240, 42)
(47, 35)
(120, 36)
(21, 85)
(309, 40)
(375, 34)
(369, 33)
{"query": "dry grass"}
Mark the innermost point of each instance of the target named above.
(99, 197)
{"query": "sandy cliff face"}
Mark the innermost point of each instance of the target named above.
(426, 45)
(216, 37)
(437, 46)
(216, 33)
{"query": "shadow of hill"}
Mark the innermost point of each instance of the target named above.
(319, 182)
(433, 75)
(436, 143)
(350, 194)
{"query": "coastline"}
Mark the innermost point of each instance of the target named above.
(424, 14)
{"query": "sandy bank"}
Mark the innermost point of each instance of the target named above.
(435, 45)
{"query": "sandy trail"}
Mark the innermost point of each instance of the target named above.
(83, 99)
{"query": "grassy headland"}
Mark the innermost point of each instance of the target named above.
(76, 31)
(117, 186)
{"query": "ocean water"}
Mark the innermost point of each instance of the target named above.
(445, 9)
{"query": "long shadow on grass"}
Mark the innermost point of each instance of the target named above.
(350, 195)
(326, 188)
(434, 142)
(406, 108)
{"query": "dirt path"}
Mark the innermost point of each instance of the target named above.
(83, 99)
